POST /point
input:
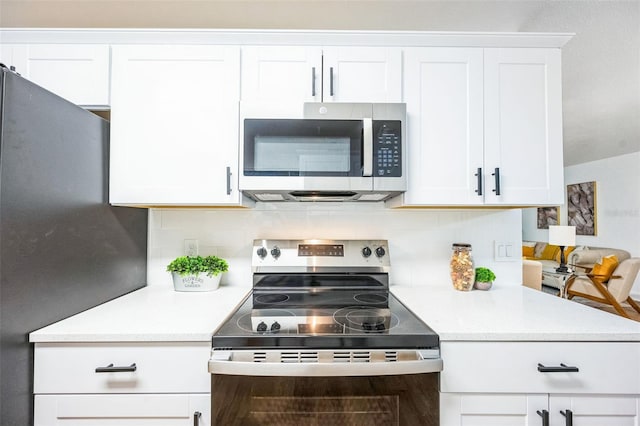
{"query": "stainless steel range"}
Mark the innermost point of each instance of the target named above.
(321, 340)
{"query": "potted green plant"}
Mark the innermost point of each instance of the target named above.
(484, 278)
(197, 273)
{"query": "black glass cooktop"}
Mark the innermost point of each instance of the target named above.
(323, 319)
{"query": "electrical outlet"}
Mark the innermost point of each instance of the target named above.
(191, 247)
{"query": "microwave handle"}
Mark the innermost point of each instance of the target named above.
(367, 147)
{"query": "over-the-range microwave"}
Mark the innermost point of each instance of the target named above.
(322, 151)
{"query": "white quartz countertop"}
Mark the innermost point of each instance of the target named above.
(517, 313)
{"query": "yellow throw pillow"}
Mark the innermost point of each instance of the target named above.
(604, 269)
(567, 250)
(549, 252)
(527, 251)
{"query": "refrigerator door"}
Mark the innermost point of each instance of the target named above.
(63, 248)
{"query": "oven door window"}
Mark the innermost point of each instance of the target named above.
(275, 147)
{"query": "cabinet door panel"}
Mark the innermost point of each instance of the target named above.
(596, 410)
(443, 92)
(523, 126)
(282, 73)
(174, 125)
(362, 74)
(490, 409)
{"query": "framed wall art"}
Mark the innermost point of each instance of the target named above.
(581, 207)
(548, 216)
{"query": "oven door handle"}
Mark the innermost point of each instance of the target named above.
(327, 369)
(367, 147)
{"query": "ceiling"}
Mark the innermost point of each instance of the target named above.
(601, 64)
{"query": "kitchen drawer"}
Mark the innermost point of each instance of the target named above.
(512, 367)
(173, 367)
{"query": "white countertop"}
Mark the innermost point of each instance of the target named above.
(503, 313)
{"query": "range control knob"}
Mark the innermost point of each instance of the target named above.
(261, 252)
(275, 252)
(380, 251)
(366, 252)
(262, 326)
(275, 327)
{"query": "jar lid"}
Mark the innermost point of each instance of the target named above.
(461, 245)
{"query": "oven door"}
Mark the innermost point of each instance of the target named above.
(395, 400)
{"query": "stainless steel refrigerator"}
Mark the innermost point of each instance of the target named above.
(63, 248)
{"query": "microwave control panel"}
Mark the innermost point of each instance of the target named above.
(387, 148)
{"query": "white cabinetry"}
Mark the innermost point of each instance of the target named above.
(316, 74)
(170, 384)
(507, 387)
(484, 126)
(174, 125)
(76, 72)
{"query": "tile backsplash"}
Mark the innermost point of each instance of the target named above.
(419, 240)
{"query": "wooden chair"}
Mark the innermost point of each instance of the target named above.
(532, 274)
(615, 291)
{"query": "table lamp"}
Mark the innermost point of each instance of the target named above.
(562, 236)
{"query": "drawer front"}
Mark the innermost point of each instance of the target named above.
(159, 367)
(603, 367)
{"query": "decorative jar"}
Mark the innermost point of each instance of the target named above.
(461, 267)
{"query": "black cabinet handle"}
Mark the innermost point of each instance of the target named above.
(228, 180)
(313, 82)
(545, 417)
(114, 369)
(555, 369)
(479, 176)
(568, 417)
(331, 81)
(196, 418)
(496, 173)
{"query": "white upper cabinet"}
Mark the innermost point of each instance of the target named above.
(523, 126)
(76, 72)
(484, 127)
(327, 74)
(174, 128)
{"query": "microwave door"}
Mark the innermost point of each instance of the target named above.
(367, 147)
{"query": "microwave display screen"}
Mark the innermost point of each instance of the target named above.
(302, 154)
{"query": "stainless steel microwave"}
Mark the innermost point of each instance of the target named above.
(322, 151)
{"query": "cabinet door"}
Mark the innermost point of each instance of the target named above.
(491, 409)
(122, 410)
(595, 410)
(76, 72)
(523, 126)
(282, 73)
(174, 128)
(362, 74)
(443, 92)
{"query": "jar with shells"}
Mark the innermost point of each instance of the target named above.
(461, 267)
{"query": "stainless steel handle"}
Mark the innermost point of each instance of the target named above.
(568, 417)
(545, 417)
(115, 369)
(313, 82)
(331, 81)
(245, 368)
(496, 173)
(228, 180)
(196, 418)
(367, 147)
(561, 369)
(479, 176)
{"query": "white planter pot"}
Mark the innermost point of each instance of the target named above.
(201, 282)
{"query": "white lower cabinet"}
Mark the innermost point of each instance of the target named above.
(159, 383)
(540, 383)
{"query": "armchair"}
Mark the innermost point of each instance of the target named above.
(611, 293)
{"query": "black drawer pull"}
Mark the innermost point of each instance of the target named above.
(568, 417)
(561, 369)
(196, 418)
(111, 369)
(545, 417)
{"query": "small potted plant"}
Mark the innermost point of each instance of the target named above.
(197, 273)
(484, 278)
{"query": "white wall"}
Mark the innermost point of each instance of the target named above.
(617, 205)
(419, 240)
